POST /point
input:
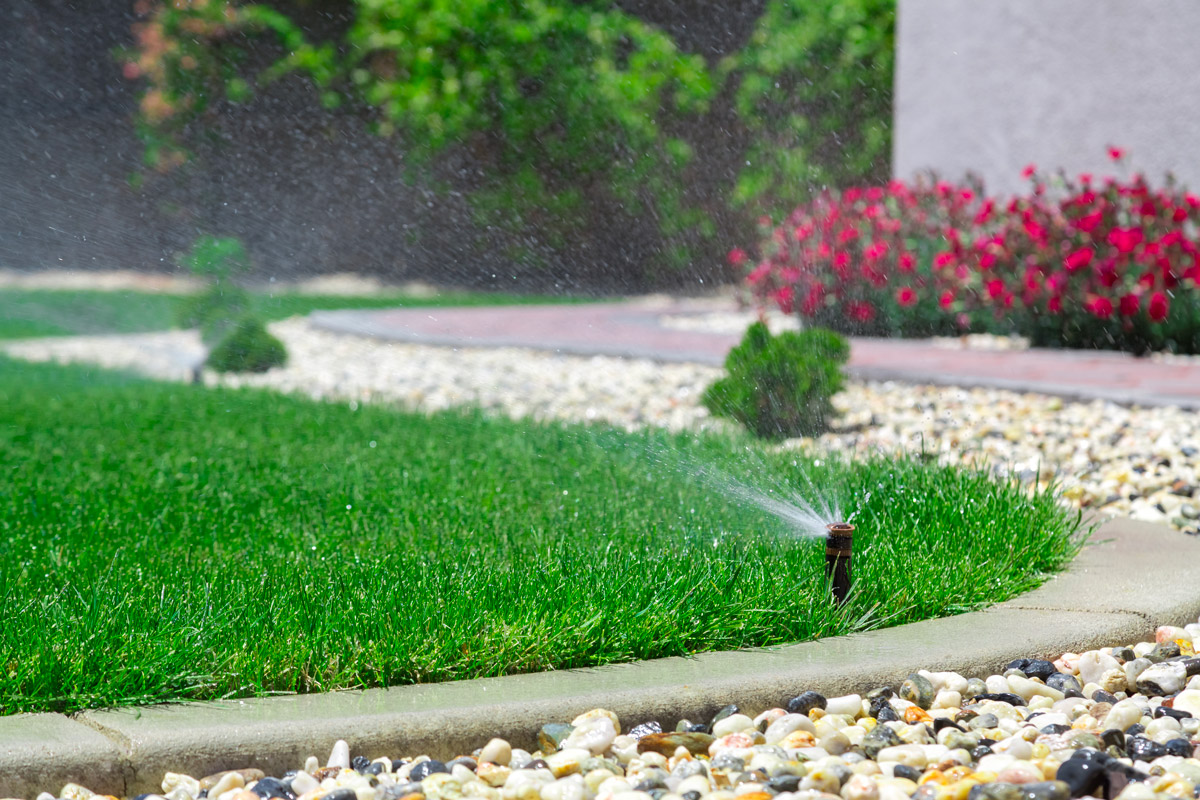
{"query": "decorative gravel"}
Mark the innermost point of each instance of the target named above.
(1140, 462)
(1122, 723)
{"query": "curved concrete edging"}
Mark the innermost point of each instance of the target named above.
(1123, 584)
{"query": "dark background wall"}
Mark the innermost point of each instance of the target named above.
(309, 191)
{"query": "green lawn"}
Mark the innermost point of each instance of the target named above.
(26, 313)
(167, 541)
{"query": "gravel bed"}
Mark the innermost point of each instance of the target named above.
(1139, 462)
(1122, 723)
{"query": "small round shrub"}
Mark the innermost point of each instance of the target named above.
(215, 310)
(780, 386)
(248, 347)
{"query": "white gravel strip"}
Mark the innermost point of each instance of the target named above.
(1141, 462)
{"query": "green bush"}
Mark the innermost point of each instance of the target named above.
(814, 87)
(780, 386)
(247, 347)
(214, 311)
(222, 303)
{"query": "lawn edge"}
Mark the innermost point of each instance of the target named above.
(1117, 590)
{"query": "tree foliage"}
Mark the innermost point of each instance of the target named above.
(568, 114)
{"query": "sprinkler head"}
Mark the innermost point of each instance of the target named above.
(839, 547)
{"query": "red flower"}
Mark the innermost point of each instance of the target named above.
(760, 272)
(907, 262)
(1085, 178)
(905, 296)
(1088, 222)
(785, 297)
(1159, 306)
(1129, 304)
(1116, 153)
(1028, 171)
(1055, 303)
(737, 256)
(1107, 273)
(946, 300)
(942, 260)
(1079, 259)
(813, 300)
(1102, 307)
(1125, 239)
(995, 288)
(1035, 231)
(847, 235)
(861, 311)
(876, 251)
(985, 211)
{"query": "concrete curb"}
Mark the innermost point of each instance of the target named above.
(1117, 591)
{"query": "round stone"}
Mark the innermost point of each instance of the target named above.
(806, 702)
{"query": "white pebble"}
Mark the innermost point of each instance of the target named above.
(339, 756)
(851, 705)
(1094, 664)
(732, 724)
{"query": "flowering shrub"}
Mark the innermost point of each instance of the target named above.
(873, 261)
(1110, 264)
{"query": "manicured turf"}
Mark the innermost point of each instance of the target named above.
(166, 542)
(27, 313)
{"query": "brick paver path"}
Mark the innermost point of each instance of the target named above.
(635, 330)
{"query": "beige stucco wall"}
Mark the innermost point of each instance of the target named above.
(989, 86)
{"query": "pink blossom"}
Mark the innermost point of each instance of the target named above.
(1125, 239)
(1102, 307)
(759, 273)
(1159, 307)
(1079, 259)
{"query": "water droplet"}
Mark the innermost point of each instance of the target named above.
(372, 443)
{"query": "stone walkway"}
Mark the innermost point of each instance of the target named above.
(637, 330)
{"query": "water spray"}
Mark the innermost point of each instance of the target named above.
(839, 547)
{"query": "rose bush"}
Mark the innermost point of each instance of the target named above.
(1076, 263)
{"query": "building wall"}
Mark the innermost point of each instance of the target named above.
(989, 86)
